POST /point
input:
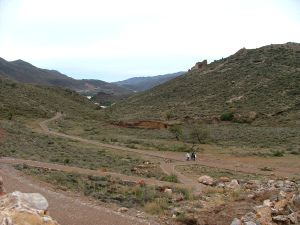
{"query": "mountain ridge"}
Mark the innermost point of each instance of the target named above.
(24, 72)
(139, 84)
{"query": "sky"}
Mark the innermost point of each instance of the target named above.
(115, 39)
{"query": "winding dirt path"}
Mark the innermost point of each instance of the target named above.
(169, 160)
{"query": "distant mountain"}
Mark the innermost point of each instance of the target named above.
(24, 72)
(139, 84)
(252, 83)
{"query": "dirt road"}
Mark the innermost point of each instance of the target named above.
(65, 209)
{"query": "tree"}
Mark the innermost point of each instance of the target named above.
(176, 130)
(199, 133)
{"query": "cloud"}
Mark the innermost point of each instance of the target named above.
(62, 31)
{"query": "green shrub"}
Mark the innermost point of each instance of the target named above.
(228, 116)
(277, 153)
(158, 206)
(170, 178)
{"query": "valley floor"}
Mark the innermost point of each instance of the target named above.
(74, 210)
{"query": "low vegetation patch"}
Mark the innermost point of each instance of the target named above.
(21, 142)
(108, 189)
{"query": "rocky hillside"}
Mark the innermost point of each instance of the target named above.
(24, 72)
(32, 101)
(139, 84)
(252, 83)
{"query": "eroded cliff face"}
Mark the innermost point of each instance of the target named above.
(19, 208)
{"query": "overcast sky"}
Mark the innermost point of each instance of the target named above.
(116, 39)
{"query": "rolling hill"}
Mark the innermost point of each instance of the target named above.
(250, 84)
(139, 84)
(24, 72)
(33, 101)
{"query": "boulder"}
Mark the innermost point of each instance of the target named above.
(23, 208)
(296, 201)
(207, 180)
(234, 184)
(32, 200)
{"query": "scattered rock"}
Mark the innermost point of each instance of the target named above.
(168, 191)
(268, 203)
(234, 184)
(263, 214)
(296, 201)
(280, 218)
(236, 221)
(249, 223)
(248, 217)
(293, 217)
(280, 205)
(207, 180)
(224, 179)
(122, 209)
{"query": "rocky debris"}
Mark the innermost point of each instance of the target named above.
(207, 180)
(236, 221)
(234, 184)
(24, 208)
(296, 201)
(281, 207)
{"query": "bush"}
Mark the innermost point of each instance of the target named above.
(158, 206)
(199, 133)
(170, 178)
(277, 153)
(228, 116)
(176, 130)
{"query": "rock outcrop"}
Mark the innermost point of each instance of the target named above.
(24, 208)
(200, 65)
(279, 209)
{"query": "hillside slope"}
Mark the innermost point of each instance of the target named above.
(24, 72)
(263, 81)
(139, 84)
(32, 101)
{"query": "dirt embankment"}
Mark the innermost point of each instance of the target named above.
(145, 124)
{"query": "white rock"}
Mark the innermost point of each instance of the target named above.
(268, 203)
(168, 191)
(122, 209)
(32, 200)
(236, 221)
